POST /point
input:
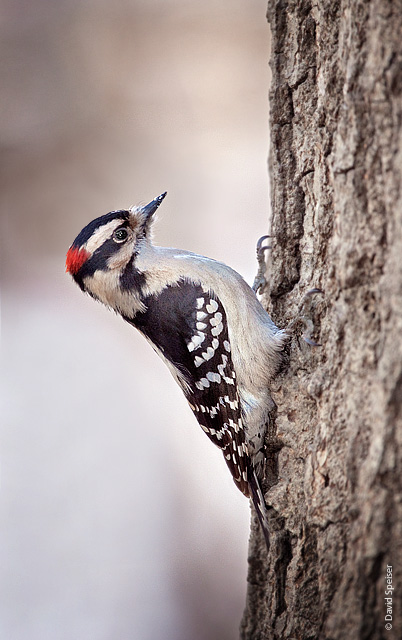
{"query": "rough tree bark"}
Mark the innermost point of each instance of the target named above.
(336, 486)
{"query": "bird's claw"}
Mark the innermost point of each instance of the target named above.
(260, 280)
(260, 248)
(260, 283)
(312, 292)
(306, 319)
(308, 332)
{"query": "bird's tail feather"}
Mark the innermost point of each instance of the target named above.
(259, 503)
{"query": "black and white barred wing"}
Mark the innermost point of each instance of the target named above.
(214, 397)
(187, 326)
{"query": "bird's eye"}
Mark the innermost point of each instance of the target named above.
(120, 235)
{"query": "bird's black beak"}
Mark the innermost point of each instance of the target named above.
(150, 208)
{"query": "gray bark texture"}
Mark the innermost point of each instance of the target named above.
(335, 487)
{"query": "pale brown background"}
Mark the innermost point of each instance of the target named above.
(118, 517)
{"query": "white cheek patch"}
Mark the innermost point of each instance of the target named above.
(102, 285)
(121, 257)
(105, 286)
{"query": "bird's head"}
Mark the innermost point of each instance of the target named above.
(102, 256)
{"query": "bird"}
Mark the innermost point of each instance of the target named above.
(203, 320)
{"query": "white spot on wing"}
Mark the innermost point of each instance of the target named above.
(214, 377)
(209, 353)
(196, 341)
(216, 319)
(217, 330)
(212, 306)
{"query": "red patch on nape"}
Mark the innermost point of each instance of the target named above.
(75, 259)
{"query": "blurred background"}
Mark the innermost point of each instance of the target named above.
(119, 519)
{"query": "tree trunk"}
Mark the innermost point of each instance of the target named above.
(335, 487)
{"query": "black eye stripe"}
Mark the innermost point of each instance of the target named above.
(98, 261)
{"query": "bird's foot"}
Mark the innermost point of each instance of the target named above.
(304, 317)
(260, 280)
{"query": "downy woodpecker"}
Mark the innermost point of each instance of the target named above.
(203, 320)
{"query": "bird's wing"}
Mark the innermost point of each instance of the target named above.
(187, 325)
